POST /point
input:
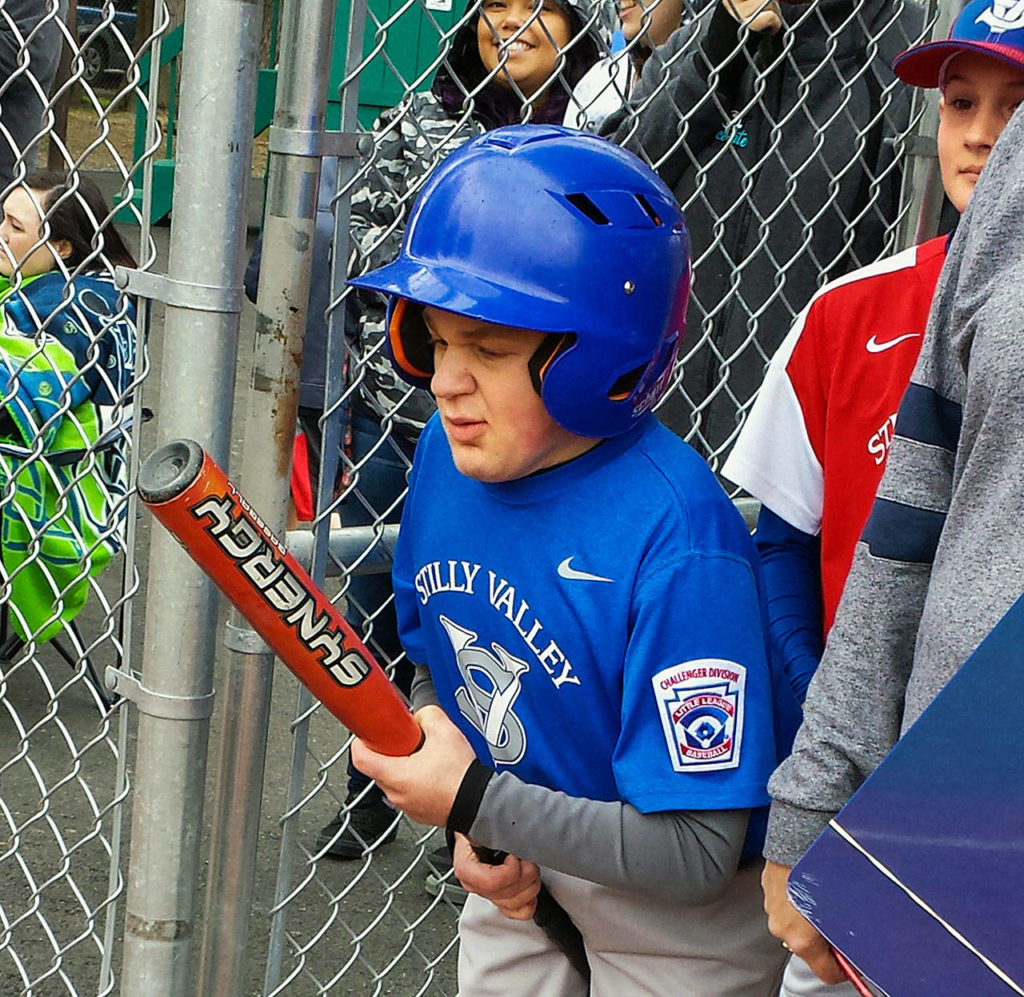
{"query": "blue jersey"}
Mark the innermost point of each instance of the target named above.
(596, 628)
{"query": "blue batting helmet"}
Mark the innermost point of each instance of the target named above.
(562, 232)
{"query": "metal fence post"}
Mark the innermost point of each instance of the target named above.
(214, 151)
(922, 183)
(296, 146)
(330, 445)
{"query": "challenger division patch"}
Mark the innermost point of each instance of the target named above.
(701, 708)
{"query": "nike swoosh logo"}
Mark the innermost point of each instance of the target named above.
(876, 347)
(566, 570)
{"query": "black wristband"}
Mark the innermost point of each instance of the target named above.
(469, 796)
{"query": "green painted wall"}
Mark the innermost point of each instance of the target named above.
(413, 41)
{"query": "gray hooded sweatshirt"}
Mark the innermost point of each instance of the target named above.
(781, 150)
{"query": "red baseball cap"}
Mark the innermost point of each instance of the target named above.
(991, 27)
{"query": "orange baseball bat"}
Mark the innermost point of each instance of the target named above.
(194, 499)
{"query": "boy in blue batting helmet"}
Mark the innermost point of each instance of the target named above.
(581, 597)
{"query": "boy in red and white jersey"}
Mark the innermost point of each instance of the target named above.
(815, 444)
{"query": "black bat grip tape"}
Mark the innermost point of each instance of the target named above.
(550, 916)
(489, 856)
(553, 919)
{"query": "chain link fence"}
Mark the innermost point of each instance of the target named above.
(790, 156)
(796, 157)
(74, 88)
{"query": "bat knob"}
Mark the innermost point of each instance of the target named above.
(169, 470)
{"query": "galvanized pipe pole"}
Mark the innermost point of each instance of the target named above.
(348, 158)
(203, 295)
(922, 177)
(296, 147)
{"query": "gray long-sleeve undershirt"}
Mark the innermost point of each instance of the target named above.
(684, 856)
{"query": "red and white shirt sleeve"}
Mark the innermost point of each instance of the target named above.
(814, 446)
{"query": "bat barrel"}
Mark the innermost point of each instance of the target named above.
(193, 498)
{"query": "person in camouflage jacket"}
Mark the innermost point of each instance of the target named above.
(411, 139)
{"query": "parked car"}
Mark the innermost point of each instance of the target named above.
(104, 33)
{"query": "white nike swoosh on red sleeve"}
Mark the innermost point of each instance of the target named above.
(874, 346)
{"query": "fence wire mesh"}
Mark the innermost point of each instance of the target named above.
(74, 88)
(788, 152)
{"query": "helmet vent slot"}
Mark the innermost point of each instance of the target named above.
(586, 207)
(623, 387)
(648, 210)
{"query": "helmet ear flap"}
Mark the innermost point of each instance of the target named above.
(551, 347)
(409, 342)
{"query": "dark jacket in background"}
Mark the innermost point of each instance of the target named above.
(787, 174)
(21, 109)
